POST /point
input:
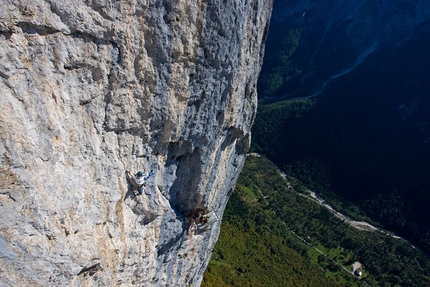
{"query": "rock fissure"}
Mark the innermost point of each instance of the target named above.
(91, 270)
(32, 28)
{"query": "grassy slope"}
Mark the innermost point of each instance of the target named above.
(269, 232)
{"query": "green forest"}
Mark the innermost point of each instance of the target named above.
(353, 160)
(274, 234)
(361, 139)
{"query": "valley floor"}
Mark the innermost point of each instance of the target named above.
(276, 232)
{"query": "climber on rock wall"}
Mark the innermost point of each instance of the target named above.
(139, 179)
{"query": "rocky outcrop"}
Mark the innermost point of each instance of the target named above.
(90, 89)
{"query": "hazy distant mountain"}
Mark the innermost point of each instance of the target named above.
(313, 42)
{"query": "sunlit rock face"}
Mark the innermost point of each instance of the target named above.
(90, 89)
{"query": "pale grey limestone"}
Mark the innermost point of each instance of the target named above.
(90, 89)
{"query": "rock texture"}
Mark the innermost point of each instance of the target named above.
(92, 88)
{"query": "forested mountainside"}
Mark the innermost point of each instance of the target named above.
(363, 134)
(275, 233)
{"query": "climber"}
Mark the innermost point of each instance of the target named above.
(198, 215)
(139, 179)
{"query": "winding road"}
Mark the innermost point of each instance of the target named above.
(361, 225)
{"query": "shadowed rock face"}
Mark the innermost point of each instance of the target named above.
(90, 89)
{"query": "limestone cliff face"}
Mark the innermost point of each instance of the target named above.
(90, 89)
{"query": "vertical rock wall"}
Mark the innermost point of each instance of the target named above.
(90, 89)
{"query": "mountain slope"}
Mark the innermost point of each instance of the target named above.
(364, 136)
(313, 42)
(274, 234)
